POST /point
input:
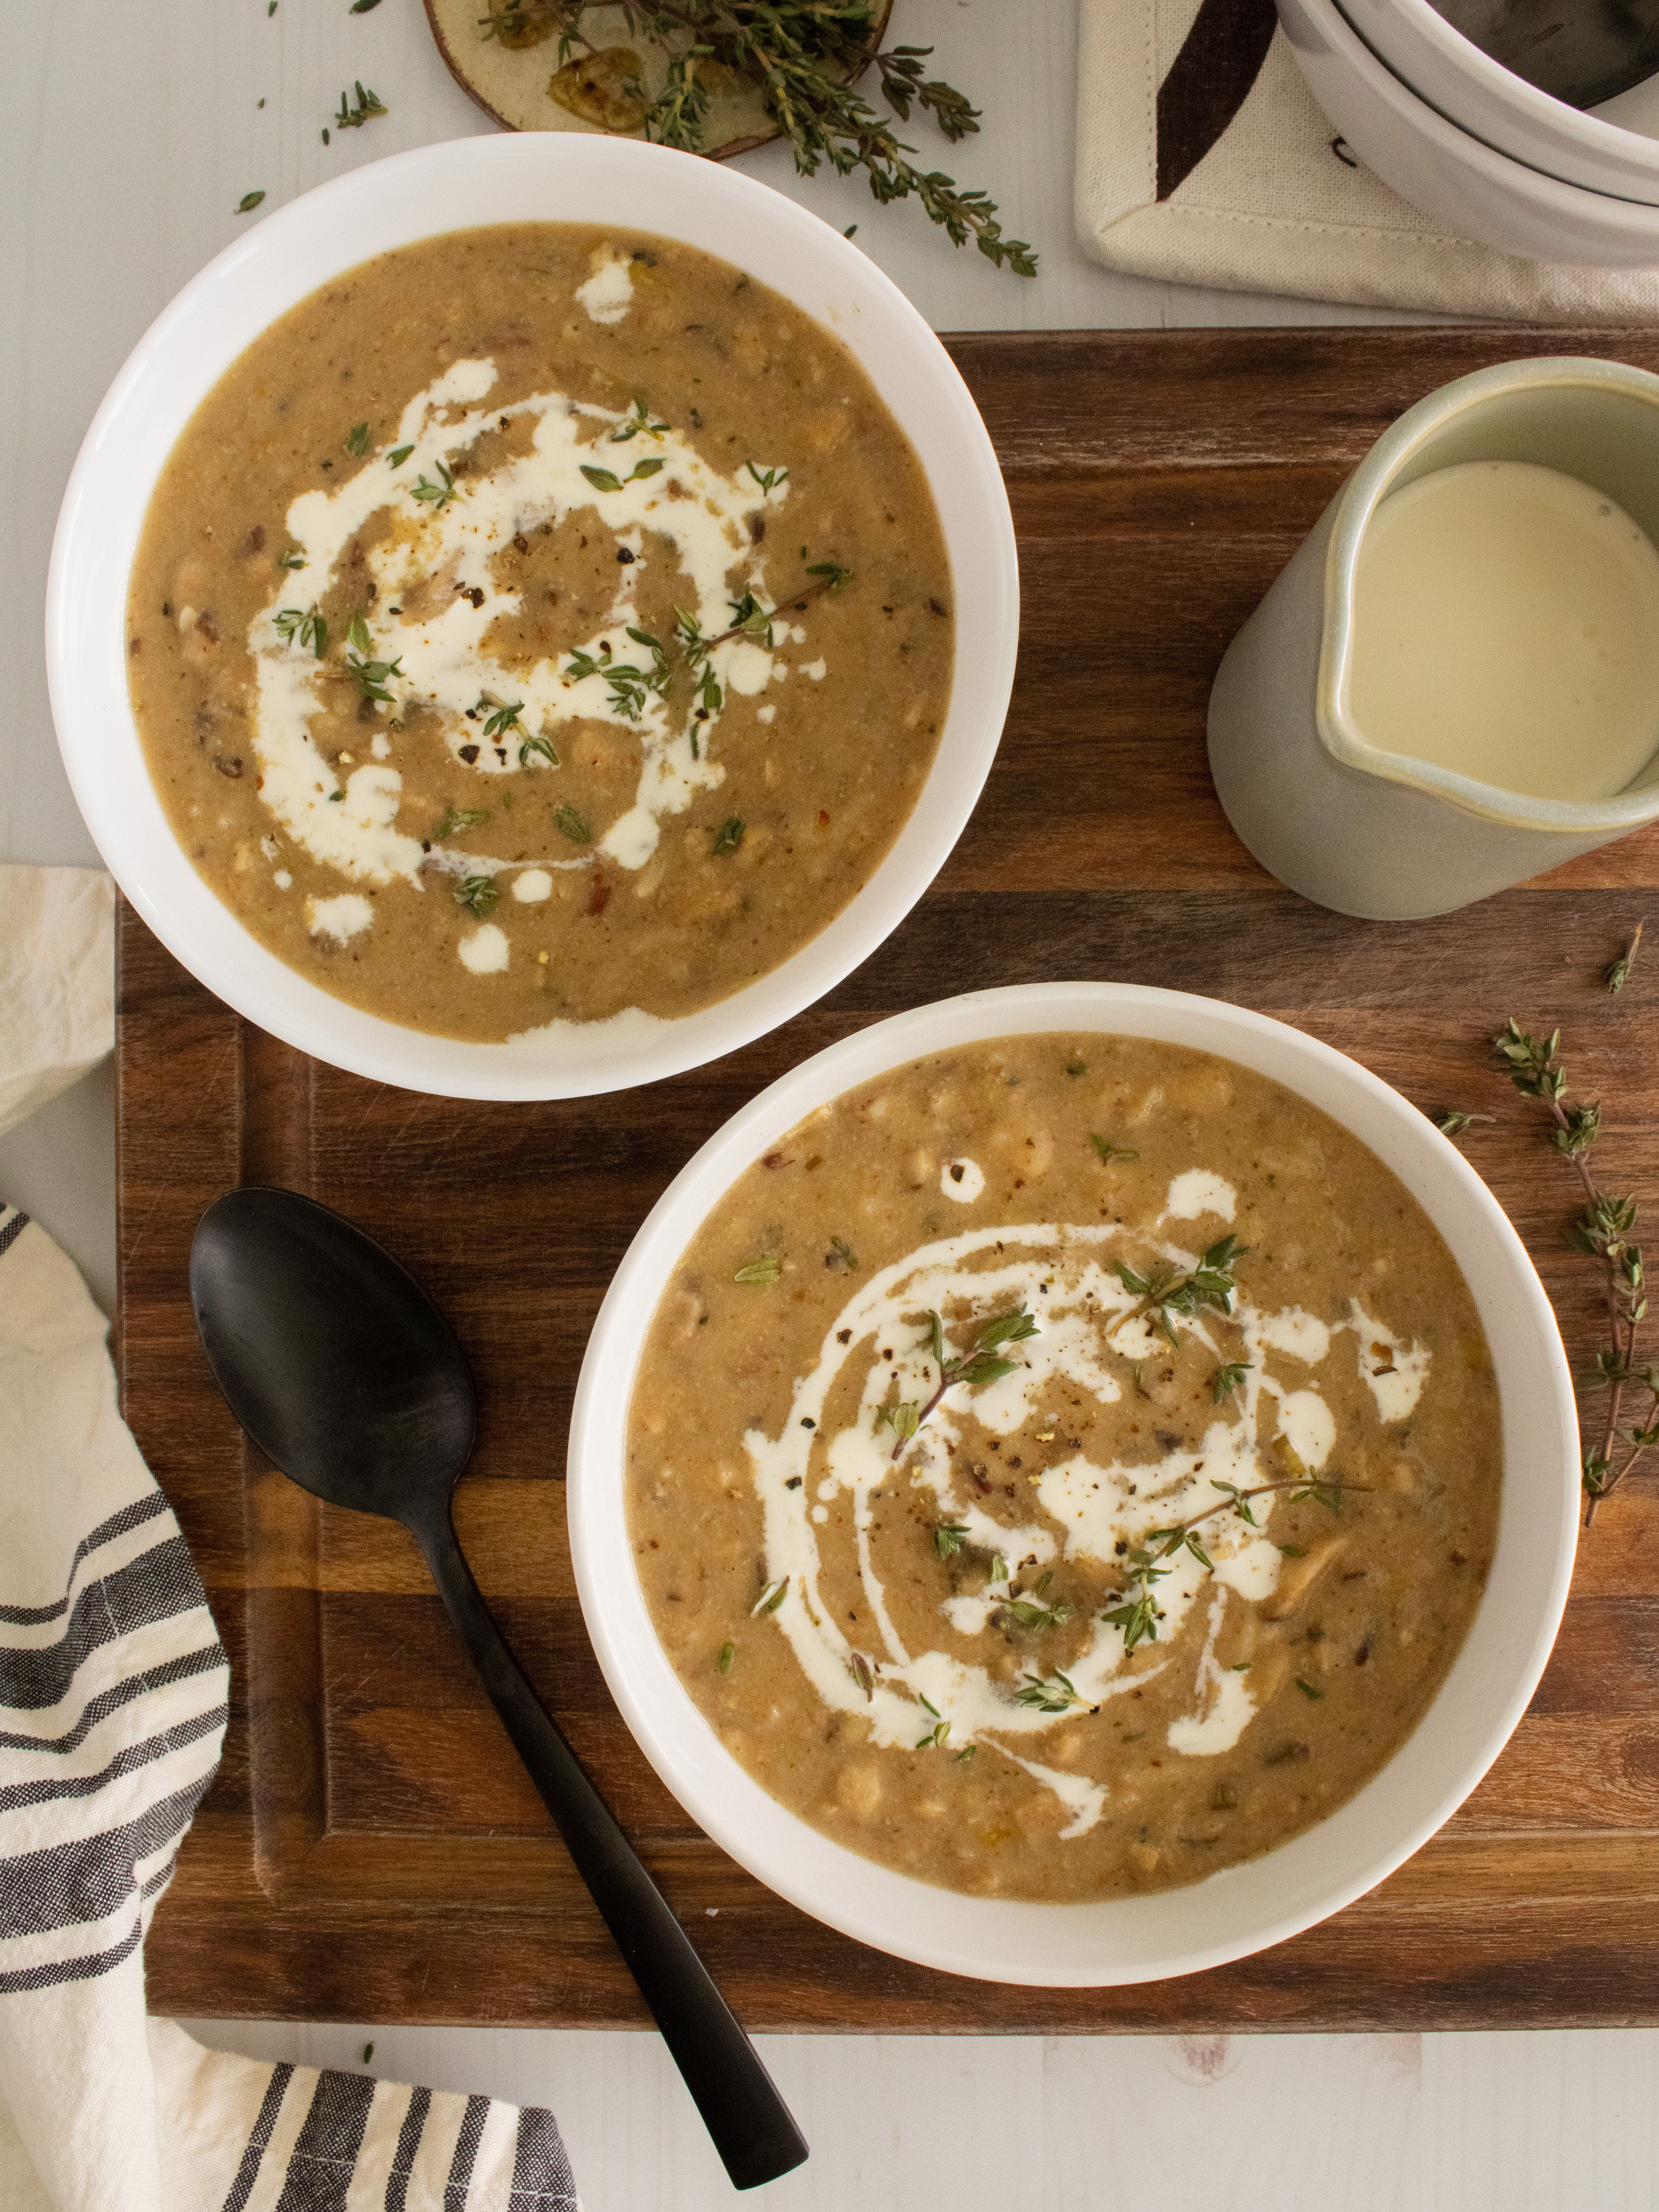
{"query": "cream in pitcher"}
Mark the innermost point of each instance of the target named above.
(1454, 684)
(1506, 626)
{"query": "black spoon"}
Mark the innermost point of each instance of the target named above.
(349, 1380)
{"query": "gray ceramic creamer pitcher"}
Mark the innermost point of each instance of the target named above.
(1381, 834)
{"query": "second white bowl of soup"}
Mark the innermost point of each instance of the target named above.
(531, 616)
(1074, 1485)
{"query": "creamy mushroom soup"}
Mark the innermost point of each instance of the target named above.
(539, 624)
(1065, 1465)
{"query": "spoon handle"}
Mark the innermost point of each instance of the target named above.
(749, 2123)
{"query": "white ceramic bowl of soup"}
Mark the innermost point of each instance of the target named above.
(1242, 1909)
(530, 177)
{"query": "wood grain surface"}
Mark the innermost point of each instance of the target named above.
(371, 1851)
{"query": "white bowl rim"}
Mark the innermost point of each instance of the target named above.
(1621, 219)
(1357, 502)
(1035, 1944)
(1579, 127)
(369, 207)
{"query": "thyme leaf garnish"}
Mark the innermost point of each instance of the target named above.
(372, 676)
(436, 495)
(728, 1652)
(1048, 1694)
(573, 825)
(1138, 1614)
(501, 716)
(976, 1368)
(460, 817)
(639, 420)
(248, 201)
(479, 895)
(1228, 1378)
(949, 1539)
(766, 478)
(1032, 1612)
(295, 627)
(1109, 1150)
(769, 1599)
(290, 560)
(356, 440)
(766, 1267)
(729, 835)
(1210, 1283)
(398, 455)
(538, 746)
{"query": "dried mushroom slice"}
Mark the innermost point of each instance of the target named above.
(505, 55)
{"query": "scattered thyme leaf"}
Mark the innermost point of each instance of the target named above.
(573, 825)
(1228, 1378)
(1046, 1694)
(769, 1599)
(766, 478)
(728, 1652)
(290, 559)
(539, 747)
(1109, 1150)
(950, 1540)
(602, 479)
(248, 201)
(729, 835)
(356, 440)
(368, 104)
(1307, 1688)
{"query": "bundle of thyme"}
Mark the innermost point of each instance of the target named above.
(800, 54)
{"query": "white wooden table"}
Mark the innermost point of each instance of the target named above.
(136, 127)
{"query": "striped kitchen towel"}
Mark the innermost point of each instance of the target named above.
(113, 1688)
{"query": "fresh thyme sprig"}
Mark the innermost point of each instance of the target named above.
(1138, 1614)
(294, 626)
(1616, 976)
(1054, 1694)
(1604, 1229)
(639, 420)
(800, 53)
(372, 675)
(1209, 1283)
(436, 495)
(977, 1369)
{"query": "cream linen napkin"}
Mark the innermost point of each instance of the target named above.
(113, 1705)
(1203, 158)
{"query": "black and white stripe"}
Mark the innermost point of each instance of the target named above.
(113, 1683)
(113, 1705)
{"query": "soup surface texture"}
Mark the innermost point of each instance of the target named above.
(1065, 1465)
(539, 624)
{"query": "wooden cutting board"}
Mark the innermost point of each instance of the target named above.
(371, 1851)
